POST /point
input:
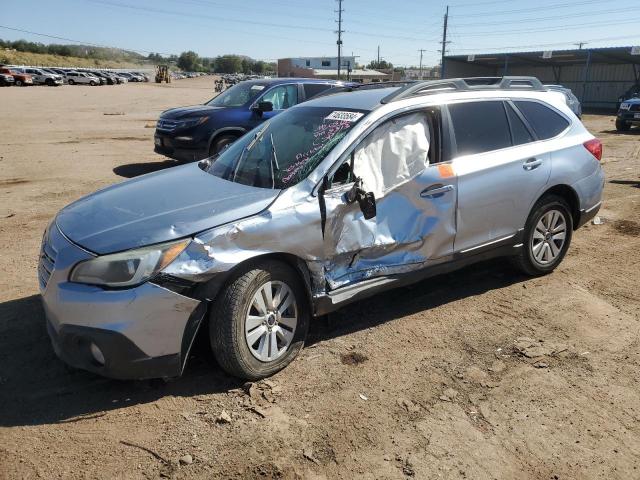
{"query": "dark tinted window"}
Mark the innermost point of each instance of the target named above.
(519, 132)
(480, 127)
(312, 89)
(544, 121)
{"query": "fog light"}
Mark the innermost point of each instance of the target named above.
(184, 139)
(97, 353)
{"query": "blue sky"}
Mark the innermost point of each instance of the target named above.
(280, 28)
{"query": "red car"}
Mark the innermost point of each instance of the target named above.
(21, 79)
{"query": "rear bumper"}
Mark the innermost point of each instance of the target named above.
(588, 214)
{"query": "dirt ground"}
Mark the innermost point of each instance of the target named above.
(478, 374)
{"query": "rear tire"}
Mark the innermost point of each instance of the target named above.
(242, 338)
(71, 82)
(622, 126)
(221, 143)
(547, 235)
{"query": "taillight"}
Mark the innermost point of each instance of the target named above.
(595, 148)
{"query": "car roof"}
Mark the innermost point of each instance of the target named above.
(359, 99)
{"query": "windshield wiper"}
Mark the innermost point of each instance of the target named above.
(247, 149)
(272, 160)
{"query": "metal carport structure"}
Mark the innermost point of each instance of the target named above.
(597, 76)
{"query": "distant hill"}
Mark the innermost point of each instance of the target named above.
(45, 59)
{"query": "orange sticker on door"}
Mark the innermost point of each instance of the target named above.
(446, 170)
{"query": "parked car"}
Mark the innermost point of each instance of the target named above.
(40, 77)
(106, 78)
(628, 114)
(131, 77)
(197, 132)
(632, 92)
(570, 98)
(332, 201)
(81, 78)
(20, 79)
(6, 80)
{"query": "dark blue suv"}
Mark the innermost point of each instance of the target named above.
(201, 131)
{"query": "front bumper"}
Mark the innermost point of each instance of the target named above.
(142, 332)
(629, 116)
(182, 150)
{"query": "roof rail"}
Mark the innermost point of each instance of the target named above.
(431, 87)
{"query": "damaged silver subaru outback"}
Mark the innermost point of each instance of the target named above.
(332, 201)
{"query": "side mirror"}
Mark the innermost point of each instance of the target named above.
(262, 107)
(366, 200)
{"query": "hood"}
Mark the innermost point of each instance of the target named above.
(632, 100)
(185, 112)
(158, 207)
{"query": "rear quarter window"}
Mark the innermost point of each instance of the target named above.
(544, 121)
(312, 89)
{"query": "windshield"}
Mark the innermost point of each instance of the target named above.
(284, 150)
(237, 95)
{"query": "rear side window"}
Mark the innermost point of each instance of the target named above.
(544, 121)
(312, 89)
(480, 127)
(519, 132)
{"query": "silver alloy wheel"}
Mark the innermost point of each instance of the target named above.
(548, 237)
(271, 320)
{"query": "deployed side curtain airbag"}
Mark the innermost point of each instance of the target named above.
(394, 153)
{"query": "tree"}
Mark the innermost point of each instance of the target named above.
(381, 65)
(188, 61)
(228, 64)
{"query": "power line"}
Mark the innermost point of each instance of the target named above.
(535, 9)
(570, 42)
(540, 19)
(552, 29)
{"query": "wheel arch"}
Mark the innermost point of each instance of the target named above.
(570, 196)
(209, 290)
(235, 131)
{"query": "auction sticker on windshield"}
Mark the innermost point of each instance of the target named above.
(345, 116)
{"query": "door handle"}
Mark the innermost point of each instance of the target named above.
(531, 164)
(435, 191)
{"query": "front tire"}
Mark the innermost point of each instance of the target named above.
(19, 83)
(92, 83)
(71, 82)
(622, 126)
(259, 321)
(547, 236)
(220, 144)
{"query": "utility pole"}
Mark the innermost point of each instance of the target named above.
(421, 52)
(339, 32)
(444, 42)
(580, 45)
(378, 56)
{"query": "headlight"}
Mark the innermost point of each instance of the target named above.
(625, 106)
(192, 122)
(130, 268)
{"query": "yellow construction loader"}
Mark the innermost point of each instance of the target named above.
(162, 74)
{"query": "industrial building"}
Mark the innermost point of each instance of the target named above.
(597, 76)
(327, 68)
